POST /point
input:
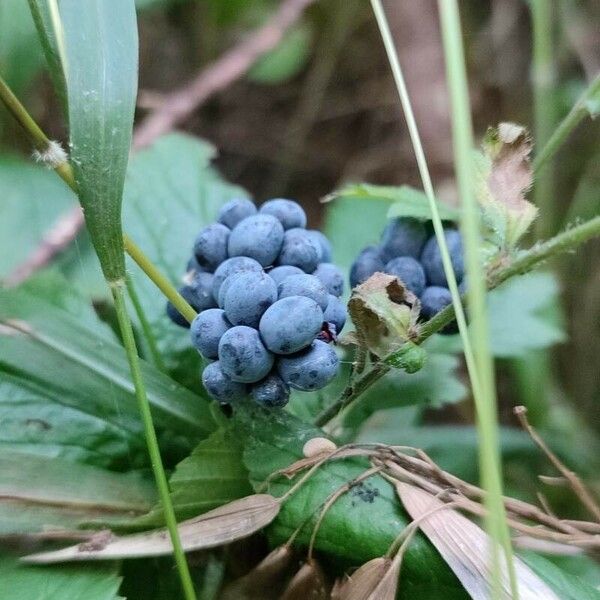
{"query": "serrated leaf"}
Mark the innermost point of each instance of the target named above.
(72, 582)
(221, 526)
(37, 493)
(99, 55)
(213, 474)
(171, 193)
(82, 367)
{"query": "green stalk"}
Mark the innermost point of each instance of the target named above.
(586, 105)
(566, 241)
(151, 440)
(42, 143)
(543, 107)
(145, 325)
(486, 404)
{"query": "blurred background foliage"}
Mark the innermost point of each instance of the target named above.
(320, 110)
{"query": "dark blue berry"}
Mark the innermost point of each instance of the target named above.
(234, 211)
(290, 324)
(324, 243)
(206, 331)
(201, 297)
(220, 386)
(304, 285)
(173, 314)
(409, 271)
(259, 237)
(300, 250)
(369, 261)
(210, 247)
(309, 369)
(335, 313)
(290, 213)
(271, 392)
(331, 277)
(247, 297)
(278, 274)
(431, 258)
(237, 264)
(242, 355)
(403, 236)
(434, 299)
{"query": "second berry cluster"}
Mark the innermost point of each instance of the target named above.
(267, 296)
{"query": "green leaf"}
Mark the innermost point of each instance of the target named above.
(361, 524)
(171, 193)
(570, 587)
(40, 492)
(286, 60)
(82, 367)
(58, 582)
(99, 52)
(522, 315)
(213, 474)
(32, 199)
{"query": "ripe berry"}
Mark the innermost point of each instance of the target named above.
(237, 264)
(300, 250)
(403, 236)
(206, 331)
(331, 277)
(431, 258)
(210, 247)
(310, 369)
(304, 285)
(221, 387)
(335, 313)
(235, 211)
(323, 242)
(271, 392)
(290, 213)
(242, 355)
(278, 274)
(247, 297)
(434, 299)
(369, 261)
(290, 324)
(259, 237)
(409, 271)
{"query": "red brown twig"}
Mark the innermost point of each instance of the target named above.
(173, 110)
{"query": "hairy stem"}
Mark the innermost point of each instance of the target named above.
(529, 259)
(63, 169)
(151, 440)
(145, 325)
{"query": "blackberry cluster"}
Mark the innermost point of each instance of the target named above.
(268, 302)
(408, 251)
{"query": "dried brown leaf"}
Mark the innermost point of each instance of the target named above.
(318, 445)
(371, 578)
(308, 584)
(465, 547)
(384, 312)
(220, 526)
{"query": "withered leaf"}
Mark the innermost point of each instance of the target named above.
(466, 547)
(503, 177)
(384, 312)
(308, 584)
(376, 579)
(220, 526)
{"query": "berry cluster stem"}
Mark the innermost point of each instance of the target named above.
(526, 261)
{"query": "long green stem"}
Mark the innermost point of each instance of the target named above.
(42, 143)
(584, 107)
(145, 325)
(151, 440)
(486, 403)
(542, 75)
